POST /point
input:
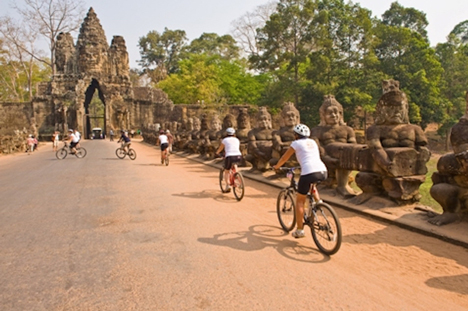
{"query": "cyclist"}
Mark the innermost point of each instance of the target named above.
(126, 142)
(230, 144)
(313, 170)
(163, 142)
(74, 140)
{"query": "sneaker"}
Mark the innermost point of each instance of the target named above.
(227, 189)
(298, 234)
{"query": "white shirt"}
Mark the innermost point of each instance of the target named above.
(74, 138)
(78, 134)
(163, 139)
(308, 155)
(231, 146)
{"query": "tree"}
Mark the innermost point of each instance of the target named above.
(160, 53)
(410, 18)
(48, 18)
(285, 41)
(343, 62)
(213, 44)
(407, 57)
(461, 32)
(212, 80)
(453, 56)
(245, 28)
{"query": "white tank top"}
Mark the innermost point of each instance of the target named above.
(231, 146)
(163, 139)
(308, 155)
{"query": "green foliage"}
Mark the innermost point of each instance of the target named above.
(212, 44)
(402, 17)
(213, 80)
(406, 56)
(160, 53)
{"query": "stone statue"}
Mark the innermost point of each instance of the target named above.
(212, 138)
(203, 134)
(283, 137)
(182, 136)
(260, 143)
(397, 149)
(193, 137)
(242, 133)
(332, 133)
(228, 121)
(65, 50)
(450, 182)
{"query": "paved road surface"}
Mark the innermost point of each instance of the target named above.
(107, 234)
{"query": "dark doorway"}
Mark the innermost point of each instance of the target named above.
(95, 110)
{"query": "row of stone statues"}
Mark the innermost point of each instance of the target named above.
(391, 164)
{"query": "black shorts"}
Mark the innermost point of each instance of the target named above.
(306, 180)
(229, 161)
(73, 145)
(164, 146)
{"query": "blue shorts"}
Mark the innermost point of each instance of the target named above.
(305, 181)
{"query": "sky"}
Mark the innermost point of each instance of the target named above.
(133, 19)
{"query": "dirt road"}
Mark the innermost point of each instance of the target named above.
(107, 234)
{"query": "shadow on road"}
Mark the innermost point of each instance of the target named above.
(457, 283)
(206, 194)
(259, 237)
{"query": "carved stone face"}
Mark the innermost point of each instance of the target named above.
(264, 122)
(216, 124)
(332, 115)
(196, 124)
(228, 122)
(243, 121)
(290, 118)
(394, 114)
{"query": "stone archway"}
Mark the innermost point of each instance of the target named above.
(94, 117)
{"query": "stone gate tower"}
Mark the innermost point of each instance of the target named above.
(93, 66)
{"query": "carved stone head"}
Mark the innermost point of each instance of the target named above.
(331, 112)
(290, 114)
(264, 118)
(196, 124)
(204, 123)
(229, 121)
(392, 107)
(243, 119)
(216, 123)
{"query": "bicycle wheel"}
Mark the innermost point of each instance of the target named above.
(61, 154)
(238, 186)
(132, 154)
(80, 152)
(326, 229)
(286, 210)
(120, 153)
(222, 182)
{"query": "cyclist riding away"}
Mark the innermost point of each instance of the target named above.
(74, 140)
(231, 147)
(313, 170)
(126, 142)
(163, 142)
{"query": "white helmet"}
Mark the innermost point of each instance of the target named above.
(230, 131)
(302, 130)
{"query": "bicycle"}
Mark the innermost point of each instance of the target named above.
(63, 152)
(319, 216)
(121, 152)
(236, 181)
